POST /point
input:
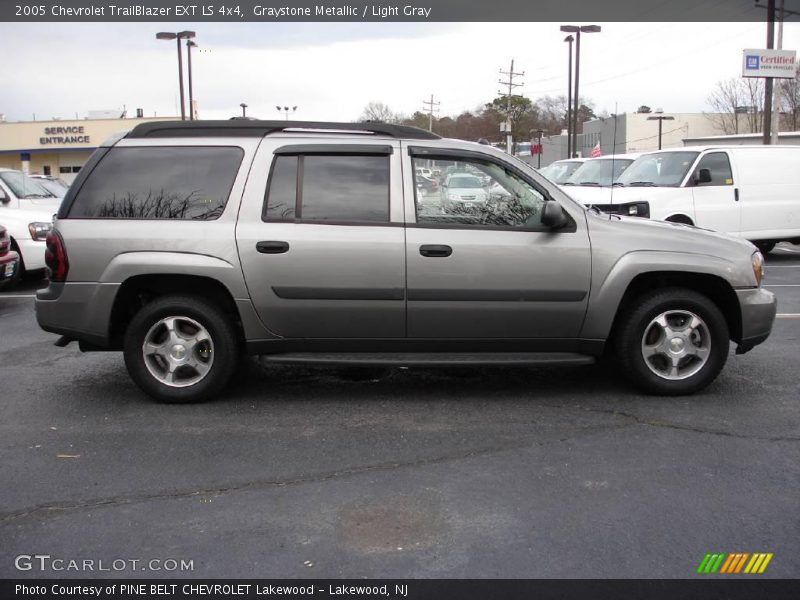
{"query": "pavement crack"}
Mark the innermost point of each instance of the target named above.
(677, 426)
(56, 507)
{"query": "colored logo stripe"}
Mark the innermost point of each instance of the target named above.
(734, 562)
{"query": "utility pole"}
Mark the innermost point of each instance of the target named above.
(429, 108)
(768, 81)
(511, 85)
(776, 100)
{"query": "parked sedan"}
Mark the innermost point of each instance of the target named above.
(9, 260)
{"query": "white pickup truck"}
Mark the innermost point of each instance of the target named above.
(26, 211)
(752, 192)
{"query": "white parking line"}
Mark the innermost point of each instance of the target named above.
(788, 315)
(788, 250)
(782, 285)
(17, 296)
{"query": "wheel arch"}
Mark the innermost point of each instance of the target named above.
(618, 284)
(714, 287)
(680, 218)
(138, 290)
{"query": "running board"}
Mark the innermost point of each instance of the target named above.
(431, 359)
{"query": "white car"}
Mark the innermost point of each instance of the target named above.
(601, 171)
(58, 187)
(463, 192)
(752, 192)
(561, 170)
(26, 211)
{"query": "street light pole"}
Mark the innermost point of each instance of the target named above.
(660, 119)
(569, 39)
(539, 149)
(168, 35)
(286, 109)
(189, 45)
(577, 30)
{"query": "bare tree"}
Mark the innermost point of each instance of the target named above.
(737, 104)
(380, 112)
(754, 92)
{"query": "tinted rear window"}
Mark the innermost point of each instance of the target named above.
(333, 188)
(159, 183)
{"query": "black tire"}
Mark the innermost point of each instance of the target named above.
(634, 325)
(226, 348)
(765, 247)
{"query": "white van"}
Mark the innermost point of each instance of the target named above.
(26, 211)
(751, 192)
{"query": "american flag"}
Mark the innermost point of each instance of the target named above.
(595, 151)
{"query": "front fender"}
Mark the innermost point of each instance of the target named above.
(607, 294)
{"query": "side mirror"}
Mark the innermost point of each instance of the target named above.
(4, 199)
(553, 215)
(703, 176)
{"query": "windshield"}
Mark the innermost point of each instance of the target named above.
(465, 182)
(560, 171)
(601, 171)
(24, 186)
(54, 186)
(659, 168)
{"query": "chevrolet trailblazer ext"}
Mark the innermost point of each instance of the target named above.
(185, 244)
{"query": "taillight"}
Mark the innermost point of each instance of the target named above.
(55, 256)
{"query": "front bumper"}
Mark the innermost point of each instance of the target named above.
(758, 307)
(32, 252)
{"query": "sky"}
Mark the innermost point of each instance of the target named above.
(330, 71)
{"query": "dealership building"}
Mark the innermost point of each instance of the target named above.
(59, 147)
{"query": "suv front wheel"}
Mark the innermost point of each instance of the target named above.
(181, 349)
(674, 342)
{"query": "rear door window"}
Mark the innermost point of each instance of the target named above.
(159, 182)
(339, 188)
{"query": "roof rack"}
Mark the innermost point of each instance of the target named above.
(257, 128)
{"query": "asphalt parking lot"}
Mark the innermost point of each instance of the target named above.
(517, 473)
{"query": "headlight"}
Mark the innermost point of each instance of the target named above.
(39, 231)
(758, 265)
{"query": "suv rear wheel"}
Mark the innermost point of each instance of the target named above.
(674, 342)
(181, 349)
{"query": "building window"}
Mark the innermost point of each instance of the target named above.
(46, 170)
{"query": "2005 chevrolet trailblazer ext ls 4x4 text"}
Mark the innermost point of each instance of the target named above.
(184, 244)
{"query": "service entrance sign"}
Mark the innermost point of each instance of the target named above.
(769, 63)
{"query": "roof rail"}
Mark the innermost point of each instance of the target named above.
(257, 128)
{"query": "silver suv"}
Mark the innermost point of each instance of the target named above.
(187, 244)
